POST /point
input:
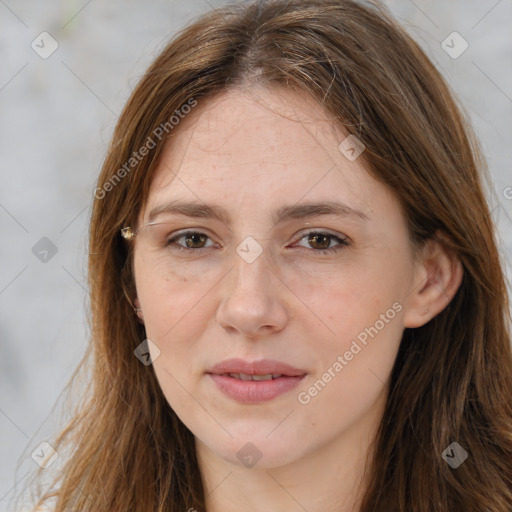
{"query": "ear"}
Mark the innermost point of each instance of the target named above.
(437, 277)
(138, 311)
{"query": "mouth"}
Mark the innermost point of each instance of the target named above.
(255, 382)
(246, 370)
(246, 376)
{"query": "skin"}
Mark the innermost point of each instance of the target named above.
(253, 151)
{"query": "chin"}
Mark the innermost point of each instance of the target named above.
(257, 451)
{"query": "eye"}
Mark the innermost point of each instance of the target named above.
(322, 241)
(193, 240)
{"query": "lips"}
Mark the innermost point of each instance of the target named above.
(254, 382)
(264, 367)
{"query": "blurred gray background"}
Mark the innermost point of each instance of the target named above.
(57, 113)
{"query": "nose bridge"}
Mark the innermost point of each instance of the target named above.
(253, 253)
(251, 267)
(251, 298)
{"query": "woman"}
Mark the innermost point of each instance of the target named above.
(297, 300)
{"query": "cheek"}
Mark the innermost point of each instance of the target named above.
(169, 302)
(352, 371)
(352, 300)
(174, 318)
(363, 312)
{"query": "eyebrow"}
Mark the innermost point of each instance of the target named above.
(296, 211)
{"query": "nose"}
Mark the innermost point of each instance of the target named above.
(252, 303)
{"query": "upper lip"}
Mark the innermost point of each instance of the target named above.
(262, 367)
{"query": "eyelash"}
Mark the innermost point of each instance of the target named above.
(171, 243)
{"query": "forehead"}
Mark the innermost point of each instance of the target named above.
(260, 149)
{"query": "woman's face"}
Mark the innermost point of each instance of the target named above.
(255, 287)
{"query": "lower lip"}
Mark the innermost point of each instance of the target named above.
(254, 391)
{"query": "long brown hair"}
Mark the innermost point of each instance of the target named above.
(452, 379)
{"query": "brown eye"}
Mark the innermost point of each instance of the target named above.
(320, 240)
(194, 240)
